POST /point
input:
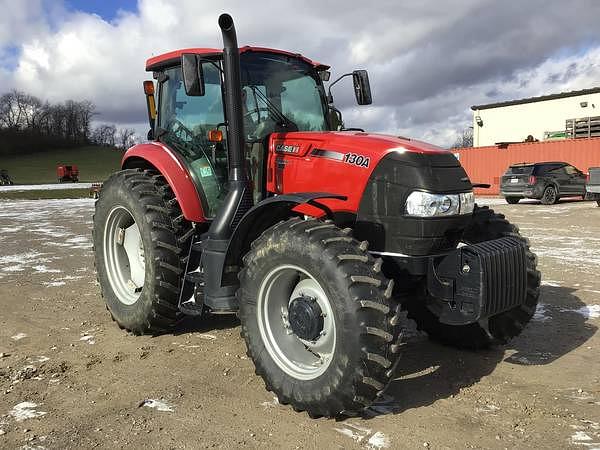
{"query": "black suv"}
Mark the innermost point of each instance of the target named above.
(545, 181)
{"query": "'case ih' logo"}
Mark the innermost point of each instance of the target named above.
(283, 148)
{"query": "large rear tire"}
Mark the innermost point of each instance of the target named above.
(342, 352)
(140, 241)
(486, 225)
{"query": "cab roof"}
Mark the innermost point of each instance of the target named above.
(170, 58)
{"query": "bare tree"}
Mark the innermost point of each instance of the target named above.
(125, 138)
(465, 139)
(105, 135)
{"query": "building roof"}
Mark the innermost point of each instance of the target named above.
(167, 59)
(541, 98)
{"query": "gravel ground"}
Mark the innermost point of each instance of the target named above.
(70, 378)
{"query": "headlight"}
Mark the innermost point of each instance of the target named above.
(424, 204)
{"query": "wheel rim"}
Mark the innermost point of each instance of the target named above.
(299, 358)
(549, 195)
(124, 255)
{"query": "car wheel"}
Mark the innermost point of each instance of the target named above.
(549, 197)
(512, 200)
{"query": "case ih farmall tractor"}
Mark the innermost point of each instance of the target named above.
(251, 198)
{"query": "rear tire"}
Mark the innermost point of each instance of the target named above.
(598, 202)
(366, 325)
(143, 199)
(549, 197)
(512, 200)
(485, 226)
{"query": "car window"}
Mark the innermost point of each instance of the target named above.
(519, 170)
(550, 169)
(571, 170)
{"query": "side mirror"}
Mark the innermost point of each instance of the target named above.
(362, 88)
(193, 75)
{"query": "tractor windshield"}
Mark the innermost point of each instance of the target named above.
(280, 91)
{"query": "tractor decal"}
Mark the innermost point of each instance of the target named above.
(357, 160)
(283, 148)
(331, 154)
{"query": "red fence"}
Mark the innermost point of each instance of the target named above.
(487, 164)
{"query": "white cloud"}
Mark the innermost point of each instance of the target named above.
(427, 63)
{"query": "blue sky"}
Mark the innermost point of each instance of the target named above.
(107, 9)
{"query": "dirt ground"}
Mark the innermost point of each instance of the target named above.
(70, 378)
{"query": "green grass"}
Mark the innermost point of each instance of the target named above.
(45, 194)
(94, 163)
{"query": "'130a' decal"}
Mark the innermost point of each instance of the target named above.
(357, 160)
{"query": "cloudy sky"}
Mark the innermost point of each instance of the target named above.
(428, 61)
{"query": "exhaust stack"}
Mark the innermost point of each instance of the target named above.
(239, 198)
(219, 295)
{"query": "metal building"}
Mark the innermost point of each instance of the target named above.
(567, 115)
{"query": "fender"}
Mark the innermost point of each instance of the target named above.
(266, 214)
(162, 158)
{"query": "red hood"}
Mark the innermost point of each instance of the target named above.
(334, 162)
(373, 145)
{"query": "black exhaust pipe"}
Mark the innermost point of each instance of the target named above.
(239, 198)
(220, 295)
(233, 99)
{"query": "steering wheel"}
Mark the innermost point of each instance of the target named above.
(257, 110)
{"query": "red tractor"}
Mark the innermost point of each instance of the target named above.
(251, 198)
(67, 173)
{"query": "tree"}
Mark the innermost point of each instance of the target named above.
(465, 139)
(125, 138)
(105, 135)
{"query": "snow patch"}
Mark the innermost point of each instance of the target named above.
(44, 187)
(88, 338)
(273, 403)
(378, 440)
(541, 313)
(44, 269)
(587, 311)
(159, 405)
(25, 410)
(54, 283)
(38, 359)
(359, 435)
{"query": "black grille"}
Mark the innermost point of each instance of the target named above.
(503, 274)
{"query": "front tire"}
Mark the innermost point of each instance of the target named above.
(344, 369)
(485, 226)
(140, 241)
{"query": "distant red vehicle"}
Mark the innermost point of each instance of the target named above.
(67, 173)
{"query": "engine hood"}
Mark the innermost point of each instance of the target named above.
(372, 145)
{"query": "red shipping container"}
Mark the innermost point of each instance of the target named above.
(488, 164)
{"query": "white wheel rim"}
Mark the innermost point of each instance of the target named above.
(124, 255)
(303, 360)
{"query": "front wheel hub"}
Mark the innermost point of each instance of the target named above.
(305, 318)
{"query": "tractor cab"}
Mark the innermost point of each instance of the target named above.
(281, 92)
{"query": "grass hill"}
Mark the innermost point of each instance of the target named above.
(94, 163)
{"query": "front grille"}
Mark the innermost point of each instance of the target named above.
(504, 274)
